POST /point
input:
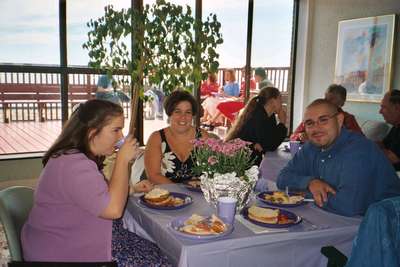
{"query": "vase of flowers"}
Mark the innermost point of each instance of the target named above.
(225, 169)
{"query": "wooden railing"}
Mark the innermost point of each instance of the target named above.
(36, 96)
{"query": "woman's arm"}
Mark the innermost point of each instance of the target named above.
(118, 187)
(152, 160)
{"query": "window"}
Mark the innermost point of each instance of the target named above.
(27, 29)
(78, 14)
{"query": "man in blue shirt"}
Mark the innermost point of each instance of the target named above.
(344, 171)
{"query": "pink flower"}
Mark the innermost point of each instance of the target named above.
(212, 160)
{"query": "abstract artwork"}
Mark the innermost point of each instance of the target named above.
(364, 57)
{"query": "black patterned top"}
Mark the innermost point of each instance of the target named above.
(171, 166)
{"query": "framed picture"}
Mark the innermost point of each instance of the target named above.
(364, 57)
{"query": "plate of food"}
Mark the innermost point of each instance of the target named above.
(162, 199)
(200, 227)
(281, 199)
(193, 185)
(273, 218)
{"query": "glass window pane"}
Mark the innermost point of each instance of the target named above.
(27, 29)
(272, 33)
(30, 113)
(233, 18)
(272, 39)
(78, 14)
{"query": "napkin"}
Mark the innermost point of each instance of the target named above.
(259, 229)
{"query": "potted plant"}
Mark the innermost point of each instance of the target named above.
(225, 169)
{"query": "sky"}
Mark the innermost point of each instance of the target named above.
(29, 30)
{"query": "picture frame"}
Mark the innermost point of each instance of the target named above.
(364, 57)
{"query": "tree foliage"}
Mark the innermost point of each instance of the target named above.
(166, 52)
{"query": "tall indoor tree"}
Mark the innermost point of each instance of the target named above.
(165, 50)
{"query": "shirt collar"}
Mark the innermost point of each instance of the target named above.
(337, 144)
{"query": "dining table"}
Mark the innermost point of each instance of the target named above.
(248, 244)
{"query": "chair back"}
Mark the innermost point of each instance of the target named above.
(137, 169)
(378, 240)
(15, 205)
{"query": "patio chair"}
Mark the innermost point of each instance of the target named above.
(15, 205)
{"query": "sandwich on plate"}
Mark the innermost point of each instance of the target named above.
(264, 215)
(201, 225)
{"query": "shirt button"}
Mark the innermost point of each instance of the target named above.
(329, 156)
(322, 160)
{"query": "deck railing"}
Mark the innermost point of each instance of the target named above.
(36, 96)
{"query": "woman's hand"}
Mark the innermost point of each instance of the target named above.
(130, 149)
(143, 186)
(281, 115)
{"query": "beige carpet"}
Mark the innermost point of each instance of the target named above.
(4, 252)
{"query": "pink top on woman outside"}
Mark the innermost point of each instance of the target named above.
(64, 223)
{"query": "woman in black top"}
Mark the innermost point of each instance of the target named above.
(262, 123)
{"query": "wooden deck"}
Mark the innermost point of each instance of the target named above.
(31, 137)
(28, 137)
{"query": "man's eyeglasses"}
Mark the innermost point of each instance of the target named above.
(323, 120)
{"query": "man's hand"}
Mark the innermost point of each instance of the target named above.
(319, 189)
(393, 158)
(281, 115)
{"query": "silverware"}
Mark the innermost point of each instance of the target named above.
(313, 226)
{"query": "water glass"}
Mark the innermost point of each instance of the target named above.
(226, 208)
(294, 147)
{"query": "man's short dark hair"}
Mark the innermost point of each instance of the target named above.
(337, 89)
(175, 98)
(323, 101)
(394, 96)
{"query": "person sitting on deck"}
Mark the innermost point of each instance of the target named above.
(230, 109)
(209, 86)
(260, 76)
(344, 171)
(230, 91)
(336, 94)
(105, 91)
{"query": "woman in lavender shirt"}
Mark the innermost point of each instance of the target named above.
(72, 216)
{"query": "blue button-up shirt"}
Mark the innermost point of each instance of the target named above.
(353, 165)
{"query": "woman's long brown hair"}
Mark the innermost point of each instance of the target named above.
(74, 138)
(265, 94)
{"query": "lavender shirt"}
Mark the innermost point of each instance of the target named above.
(64, 223)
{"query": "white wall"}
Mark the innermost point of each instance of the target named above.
(315, 60)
